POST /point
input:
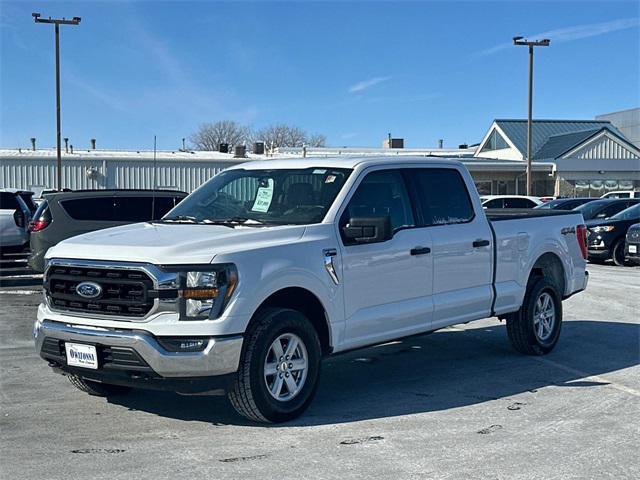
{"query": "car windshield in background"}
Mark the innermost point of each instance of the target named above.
(256, 197)
(589, 209)
(628, 214)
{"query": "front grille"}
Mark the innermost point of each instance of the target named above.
(633, 235)
(124, 292)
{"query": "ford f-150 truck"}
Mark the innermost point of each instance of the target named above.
(269, 266)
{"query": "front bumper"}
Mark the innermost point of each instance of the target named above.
(221, 356)
(632, 257)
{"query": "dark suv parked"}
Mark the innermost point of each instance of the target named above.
(605, 208)
(606, 238)
(632, 250)
(67, 214)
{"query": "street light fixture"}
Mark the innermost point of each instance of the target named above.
(536, 43)
(57, 22)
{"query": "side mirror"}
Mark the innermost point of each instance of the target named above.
(367, 230)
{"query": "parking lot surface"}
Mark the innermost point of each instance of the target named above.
(458, 403)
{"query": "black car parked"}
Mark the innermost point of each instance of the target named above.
(605, 208)
(606, 238)
(67, 214)
(632, 249)
(565, 203)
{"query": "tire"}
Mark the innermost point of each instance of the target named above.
(526, 335)
(250, 393)
(617, 253)
(96, 388)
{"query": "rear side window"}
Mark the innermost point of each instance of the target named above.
(443, 196)
(132, 209)
(27, 197)
(518, 203)
(163, 205)
(8, 201)
(98, 209)
(495, 203)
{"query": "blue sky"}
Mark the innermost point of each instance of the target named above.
(350, 70)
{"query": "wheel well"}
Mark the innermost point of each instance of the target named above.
(550, 266)
(307, 303)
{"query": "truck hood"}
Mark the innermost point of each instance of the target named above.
(165, 244)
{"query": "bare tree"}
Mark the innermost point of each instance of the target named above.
(210, 135)
(282, 135)
(317, 140)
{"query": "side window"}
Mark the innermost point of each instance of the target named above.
(495, 203)
(518, 203)
(443, 196)
(612, 210)
(100, 209)
(382, 193)
(163, 205)
(132, 209)
(8, 201)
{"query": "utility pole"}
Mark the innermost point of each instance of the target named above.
(530, 44)
(57, 23)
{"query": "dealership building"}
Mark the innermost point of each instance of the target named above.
(570, 158)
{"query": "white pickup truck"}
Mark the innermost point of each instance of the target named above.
(272, 265)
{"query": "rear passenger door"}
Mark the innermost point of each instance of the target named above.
(461, 246)
(387, 285)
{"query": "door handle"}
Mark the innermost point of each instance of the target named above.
(420, 251)
(481, 243)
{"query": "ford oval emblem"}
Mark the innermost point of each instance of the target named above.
(89, 290)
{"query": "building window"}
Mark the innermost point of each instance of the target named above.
(495, 142)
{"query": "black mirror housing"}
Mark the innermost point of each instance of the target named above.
(367, 230)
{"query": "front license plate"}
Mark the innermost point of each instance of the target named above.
(633, 249)
(80, 355)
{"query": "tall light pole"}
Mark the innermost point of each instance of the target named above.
(57, 23)
(530, 44)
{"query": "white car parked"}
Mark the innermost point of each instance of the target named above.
(622, 194)
(14, 220)
(272, 265)
(510, 201)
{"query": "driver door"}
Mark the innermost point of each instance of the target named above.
(387, 284)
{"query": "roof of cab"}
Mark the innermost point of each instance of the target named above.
(342, 162)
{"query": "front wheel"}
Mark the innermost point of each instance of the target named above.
(535, 328)
(617, 253)
(279, 369)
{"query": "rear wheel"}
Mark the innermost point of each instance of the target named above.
(279, 369)
(96, 388)
(535, 328)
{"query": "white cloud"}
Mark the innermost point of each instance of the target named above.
(365, 84)
(577, 32)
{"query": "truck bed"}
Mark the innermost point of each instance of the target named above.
(497, 214)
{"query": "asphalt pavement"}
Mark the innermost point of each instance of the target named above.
(458, 403)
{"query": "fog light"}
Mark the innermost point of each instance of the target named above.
(178, 344)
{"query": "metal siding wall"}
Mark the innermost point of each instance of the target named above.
(27, 172)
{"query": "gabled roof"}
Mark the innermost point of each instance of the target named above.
(541, 130)
(557, 145)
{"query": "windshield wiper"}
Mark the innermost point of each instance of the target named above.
(234, 221)
(180, 219)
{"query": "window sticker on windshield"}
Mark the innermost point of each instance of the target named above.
(263, 196)
(330, 179)
(318, 171)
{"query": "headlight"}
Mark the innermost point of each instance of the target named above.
(205, 291)
(606, 228)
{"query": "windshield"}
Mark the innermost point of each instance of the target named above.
(628, 214)
(256, 197)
